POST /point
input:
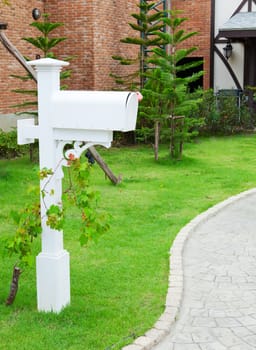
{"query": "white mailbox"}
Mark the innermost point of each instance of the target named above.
(95, 110)
(80, 118)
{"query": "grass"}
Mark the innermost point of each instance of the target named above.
(118, 285)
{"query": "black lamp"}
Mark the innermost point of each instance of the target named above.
(3, 26)
(36, 14)
(228, 50)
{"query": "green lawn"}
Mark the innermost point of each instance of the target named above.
(118, 285)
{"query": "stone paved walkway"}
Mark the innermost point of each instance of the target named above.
(218, 309)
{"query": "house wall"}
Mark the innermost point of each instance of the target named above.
(199, 15)
(222, 78)
(18, 16)
(93, 30)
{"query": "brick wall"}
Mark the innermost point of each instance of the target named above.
(78, 29)
(93, 29)
(198, 14)
(18, 16)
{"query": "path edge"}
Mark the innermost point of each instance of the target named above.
(175, 287)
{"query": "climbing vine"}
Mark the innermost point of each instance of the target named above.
(28, 228)
(93, 221)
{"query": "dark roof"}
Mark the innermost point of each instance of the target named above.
(241, 25)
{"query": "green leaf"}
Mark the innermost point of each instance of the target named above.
(26, 104)
(46, 27)
(55, 217)
(24, 78)
(83, 239)
(26, 92)
(45, 44)
(15, 216)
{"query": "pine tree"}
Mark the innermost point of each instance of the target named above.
(45, 42)
(147, 22)
(166, 94)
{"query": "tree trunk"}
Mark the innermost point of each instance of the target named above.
(176, 143)
(14, 285)
(172, 142)
(157, 136)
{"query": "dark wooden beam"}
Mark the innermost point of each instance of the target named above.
(235, 34)
(229, 68)
(239, 8)
(212, 43)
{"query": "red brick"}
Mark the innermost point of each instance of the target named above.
(93, 29)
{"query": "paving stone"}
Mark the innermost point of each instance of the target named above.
(132, 347)
(200, 335)
(234, 313)
(186, 347)
(200, 312)
(251, 340)
(218, 276)
(156, 334)
(252, 329)
(226, 336)
(247, 321)
(227, 322)
(212, 346)
(165, 326)
(242, 347)
(173, 300)
(204, 322)
(166, 317)
(183, 338)
(171, 310)
(144, 342)
(217, 313)
(241, 331)
(223, 279)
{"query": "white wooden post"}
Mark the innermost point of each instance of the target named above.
(64, 117)
(53, 276)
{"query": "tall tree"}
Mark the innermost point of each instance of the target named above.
(45, 42)
(147, 21)
(166, 93)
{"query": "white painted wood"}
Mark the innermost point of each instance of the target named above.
(87, 118)
(27, 131)
(53, 281)
(95, 110)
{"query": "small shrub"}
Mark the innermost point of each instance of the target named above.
(8, 145)
(223, 115)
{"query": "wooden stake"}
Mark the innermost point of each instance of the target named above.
(15, 52)
(115, 180)
(14, 285)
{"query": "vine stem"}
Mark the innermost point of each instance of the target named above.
(49, 180)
